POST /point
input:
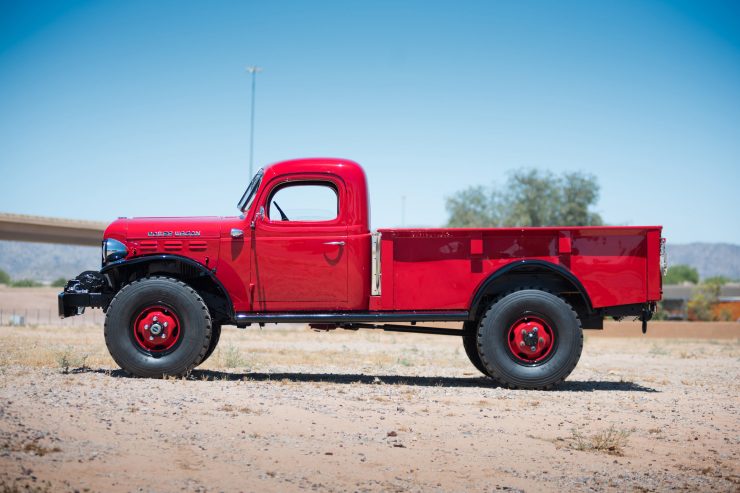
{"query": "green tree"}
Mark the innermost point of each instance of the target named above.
(474, 207)
(528, 198)
(680, 273)
(4, 277)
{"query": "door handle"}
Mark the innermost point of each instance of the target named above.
(340, 243)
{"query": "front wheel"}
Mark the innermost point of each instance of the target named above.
(157, 327)
(530, 339)
(215, 337)
(470, 344)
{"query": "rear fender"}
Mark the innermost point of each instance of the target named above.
(537, 274)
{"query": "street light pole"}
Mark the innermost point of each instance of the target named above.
(253, 69)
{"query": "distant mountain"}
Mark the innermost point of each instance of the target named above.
(710, 259)
(44, 262)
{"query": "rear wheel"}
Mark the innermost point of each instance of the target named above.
(157, 327)
(530, 339)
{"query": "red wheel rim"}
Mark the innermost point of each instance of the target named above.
(531, 339)
(157, 328)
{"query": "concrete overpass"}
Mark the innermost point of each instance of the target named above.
(21, 227)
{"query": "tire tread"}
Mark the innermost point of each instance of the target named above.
(498, 376)
(206, 316)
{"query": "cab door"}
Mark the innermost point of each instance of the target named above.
(300, 258)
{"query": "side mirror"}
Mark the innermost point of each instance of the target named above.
(260, 215)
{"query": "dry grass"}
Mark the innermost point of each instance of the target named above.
(610, 441)
(74, 348)
(66, 348)
(230, 357)
(229, 408)
(70, 358)
(33, 447)
(8, 486)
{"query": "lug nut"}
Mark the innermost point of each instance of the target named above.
(534, 330)
(146, 326)
(154, 319)
(521, 344)
(151, 338)
(542, 340)
(533, 348)
(163, 335)
(165, 324)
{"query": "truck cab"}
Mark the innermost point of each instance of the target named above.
(305, 228)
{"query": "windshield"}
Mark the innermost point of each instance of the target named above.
(248, 197)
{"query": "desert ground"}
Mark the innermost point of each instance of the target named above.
(286, 409)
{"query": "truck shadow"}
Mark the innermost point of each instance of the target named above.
(360, 379)
(414, 381)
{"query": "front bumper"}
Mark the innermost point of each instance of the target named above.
(87, 289)
(71, 304)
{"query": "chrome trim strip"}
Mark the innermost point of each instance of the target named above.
(375, 261)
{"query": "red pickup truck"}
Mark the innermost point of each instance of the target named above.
(301, 251)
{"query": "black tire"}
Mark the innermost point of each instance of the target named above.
(552, 362)
(174, 298)
(470, 343)
(215, 336)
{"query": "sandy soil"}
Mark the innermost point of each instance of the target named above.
(288, 409)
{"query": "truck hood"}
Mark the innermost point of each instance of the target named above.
(139, 228)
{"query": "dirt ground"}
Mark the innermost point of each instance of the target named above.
(287, 409)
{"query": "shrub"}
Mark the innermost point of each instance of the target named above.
(680, 273)
(701, 302)
(26, 283)
(231, 358)
(59, 283)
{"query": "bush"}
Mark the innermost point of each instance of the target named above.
(26, 283)
(702, 300)
(230, 357)
(718, 280)
(59, 283)
(678, 274)
(660, 313)
(4, 277)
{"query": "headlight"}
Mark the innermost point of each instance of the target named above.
(113, 250)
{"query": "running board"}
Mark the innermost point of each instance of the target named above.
(416, 329)
(244, 319)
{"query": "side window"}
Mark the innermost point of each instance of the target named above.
(308, 201)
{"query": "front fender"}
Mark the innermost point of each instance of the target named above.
(198, 276)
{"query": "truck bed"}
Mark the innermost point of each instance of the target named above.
(440, 269)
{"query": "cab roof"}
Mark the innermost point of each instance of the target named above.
(344, 168)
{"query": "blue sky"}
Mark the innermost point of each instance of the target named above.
(142, 107)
